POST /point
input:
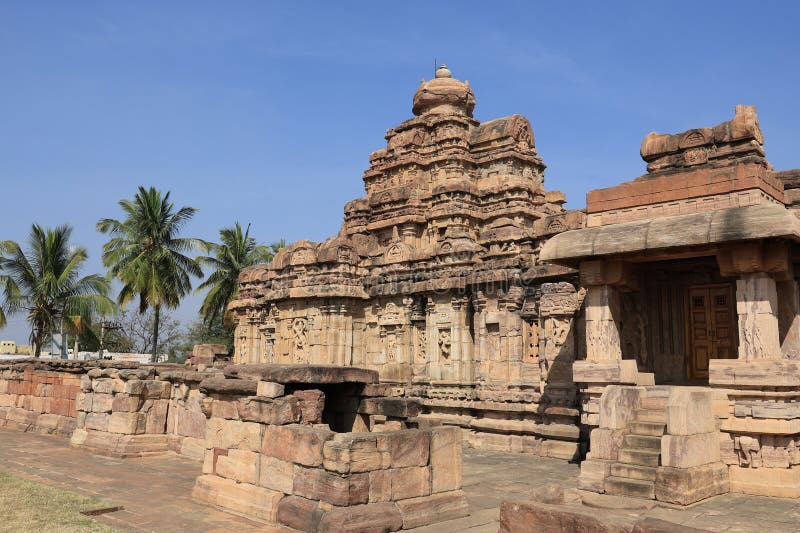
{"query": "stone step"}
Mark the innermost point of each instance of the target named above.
(645, 473)
(650, 415)
(655, 429)
(648, 442)
(658, 403)
(635, 488)
(635, 456)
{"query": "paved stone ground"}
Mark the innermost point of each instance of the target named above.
(156, 491)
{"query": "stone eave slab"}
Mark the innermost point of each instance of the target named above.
(681, 231)
(311, 374)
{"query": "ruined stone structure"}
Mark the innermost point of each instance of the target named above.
(434, 280)
(314, 448)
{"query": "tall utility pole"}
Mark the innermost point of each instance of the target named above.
(103, 327)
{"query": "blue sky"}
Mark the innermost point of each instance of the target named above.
(266, 112)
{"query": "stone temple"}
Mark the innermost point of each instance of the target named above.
(655, 333)
(654, 336)
(434, 280)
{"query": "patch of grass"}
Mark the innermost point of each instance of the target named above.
(29, 507)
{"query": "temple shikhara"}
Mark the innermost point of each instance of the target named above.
(653, 336)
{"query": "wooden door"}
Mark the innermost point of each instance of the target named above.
(711, 327)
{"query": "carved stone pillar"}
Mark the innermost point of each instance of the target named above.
(602, 329)
(757, 307)
(756, 265)
(604, 364)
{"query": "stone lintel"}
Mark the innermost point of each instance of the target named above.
(311, 374)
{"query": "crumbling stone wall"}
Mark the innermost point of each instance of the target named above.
(269, 455)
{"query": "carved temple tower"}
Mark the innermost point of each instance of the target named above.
(434, 280)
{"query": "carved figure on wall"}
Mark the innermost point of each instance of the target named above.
(748, 450)
(299, 327)
(422, 340)
(560, 331)
(269, 345)
(391, 347)
(444, 343)
(243, 344)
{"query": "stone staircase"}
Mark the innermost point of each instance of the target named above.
(634, 473)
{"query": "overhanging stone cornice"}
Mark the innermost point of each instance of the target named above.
(682, 231)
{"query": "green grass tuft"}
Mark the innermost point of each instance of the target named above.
(28, 507)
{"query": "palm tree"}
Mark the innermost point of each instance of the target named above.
(45, 282)
(147, 256)
(237, 251)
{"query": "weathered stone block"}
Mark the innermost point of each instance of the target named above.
(275, 474)
(96, 421)
(690, 411)
(127, 423)
(126, 403)
(409, 448)
(317, 484)
(239, 465)
(776, 482)
(445, 459)
(684, 486)
(279, 411)
(593, 474)
(605, 443)
(352, 453)
(228, 434)
(228, 409)
(300, 513)
(418, 512)
(156, 418)
(108, 385)
(269, 389)
(410, 482)
(373, 517)
(312, 405)
(685, 451)
(102, 402)
(618, 405)
(295, 444)
(380, 486)
(238, 497)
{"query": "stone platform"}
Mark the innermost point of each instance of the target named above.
(155, 491)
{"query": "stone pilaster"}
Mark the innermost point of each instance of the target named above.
(757, 307)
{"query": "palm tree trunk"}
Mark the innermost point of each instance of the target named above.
(156, 317)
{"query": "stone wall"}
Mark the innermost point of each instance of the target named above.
(36, 398)
(760, 425)
(269, 455)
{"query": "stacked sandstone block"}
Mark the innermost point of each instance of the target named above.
(122, 412)
(38, 399)
(269, 457)
(760, 424)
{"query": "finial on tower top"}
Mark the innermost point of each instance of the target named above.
(443, 72)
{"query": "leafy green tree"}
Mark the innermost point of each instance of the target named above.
(45, 282)
(146, 254)
(236, 251)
